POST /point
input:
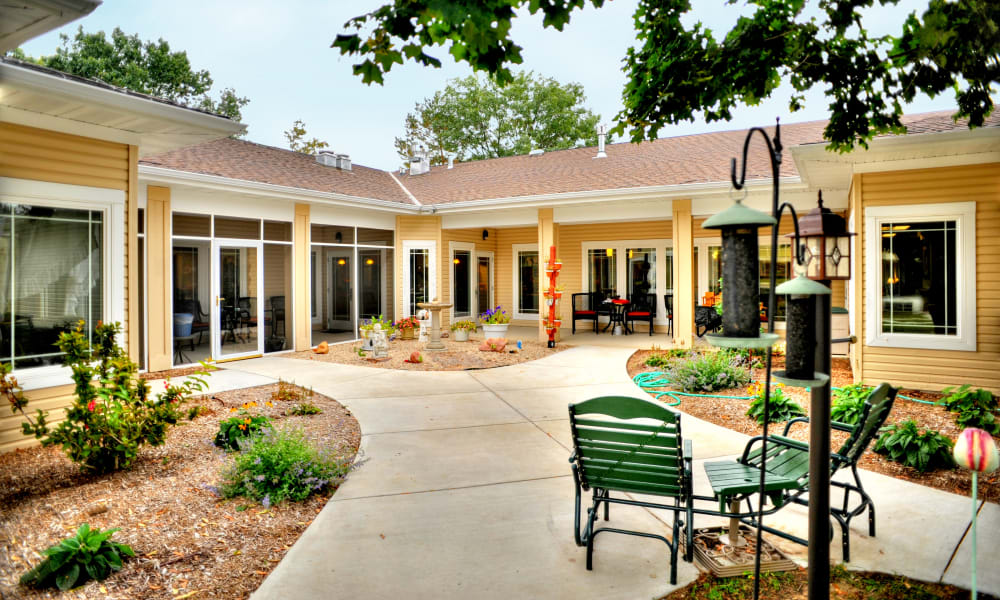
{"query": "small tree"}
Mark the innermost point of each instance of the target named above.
(297, 141)
(113, 414)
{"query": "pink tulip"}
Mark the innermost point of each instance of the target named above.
(976, 451)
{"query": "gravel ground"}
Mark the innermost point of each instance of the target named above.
(188, 541)
(459, 356)
(732, 415)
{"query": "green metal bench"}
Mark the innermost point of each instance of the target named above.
(786, 478)
(614, 453)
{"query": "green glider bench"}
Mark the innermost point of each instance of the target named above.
(612, 452)
(786, 474)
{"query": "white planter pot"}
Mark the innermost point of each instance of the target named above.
(461, 335)
(494, 331)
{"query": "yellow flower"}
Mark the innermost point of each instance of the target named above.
(247, 421)
(243, 427)
(269, 403)
(233, 409)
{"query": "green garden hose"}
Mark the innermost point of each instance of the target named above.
(657, 379)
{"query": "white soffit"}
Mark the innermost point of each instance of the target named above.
(50, 101)
(23, 20)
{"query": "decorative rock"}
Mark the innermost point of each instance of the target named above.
(493, 345)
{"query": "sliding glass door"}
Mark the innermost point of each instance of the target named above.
(237, 308)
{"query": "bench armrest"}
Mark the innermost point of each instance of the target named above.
(842, 426)
(773, 439)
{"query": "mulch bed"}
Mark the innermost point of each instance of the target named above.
(459, 356)
(732, 415)
(188, 541)
(179, 372)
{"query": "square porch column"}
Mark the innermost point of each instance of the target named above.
(683, 238)
(301, 283)
(548, 236)
(158, 249)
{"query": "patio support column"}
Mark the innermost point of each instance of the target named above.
(548, 235)
(302, 285)
(683, 237)
(159, 253)
(858, 304)
(134, 282)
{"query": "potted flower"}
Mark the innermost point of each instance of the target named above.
(495, 322)
(558, 292)
(462, 329)
(406, 326)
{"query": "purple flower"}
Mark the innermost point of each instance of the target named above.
(266, 501)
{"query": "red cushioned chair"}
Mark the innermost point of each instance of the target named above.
(642, 307)
(585, 308)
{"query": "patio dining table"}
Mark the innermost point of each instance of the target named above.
(618, 308)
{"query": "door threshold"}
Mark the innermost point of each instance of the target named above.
(235, 358)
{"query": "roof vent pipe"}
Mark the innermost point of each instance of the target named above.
(602, 133)
(344, 162)
(536, 152)
(420, 162)
(326, 158)
(451, 160)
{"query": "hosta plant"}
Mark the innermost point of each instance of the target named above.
(114, 413)
(906, 444)
(973, 408)
(849, 403)
(781, 407)
(90, 554)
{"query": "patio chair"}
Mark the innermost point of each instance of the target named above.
(642, 307)
(787, 470)
(584, 308)
(614, 453)
(200, 325)
(668, 303)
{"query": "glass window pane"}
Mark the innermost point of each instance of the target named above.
(52, 277)
(192, 225)
(602, 276)
(375, 292)
(641, 271)
(141, 225)
(243, 229)
(192, 301)
(375, 237)
(527, 277)
(784, 273)
(419, 277)
(669, 283)
(715, 269)
(277, 231)
(918, 278)
(462, 271)
(277, 297)
(142, 303)
(332, 234)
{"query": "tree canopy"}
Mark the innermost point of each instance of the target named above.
(297, 141)
(676, 70)
(146, 67)
(474, 118)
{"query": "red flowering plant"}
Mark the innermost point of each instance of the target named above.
(113, 413)
(407, 323)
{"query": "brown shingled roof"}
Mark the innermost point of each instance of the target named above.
(690, 159)
(239, 159)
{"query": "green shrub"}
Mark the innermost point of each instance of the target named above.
(708, 373)
(279, 465)
(289, 392)
(849, 403)
(243, 426)
(114, 413)
(975, 408)
(303, 408)
(663, 358)
(781, 407)
(906, 444)
(90, 554)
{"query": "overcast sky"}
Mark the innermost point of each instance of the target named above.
(278, 54)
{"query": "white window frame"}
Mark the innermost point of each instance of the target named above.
(431, 247)
(516, 250)
(964, 215)
(621, 247)
(111, 203)
(473, 265)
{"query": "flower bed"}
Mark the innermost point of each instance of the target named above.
(186, 537)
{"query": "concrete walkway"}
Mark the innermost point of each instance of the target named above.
(466, 493)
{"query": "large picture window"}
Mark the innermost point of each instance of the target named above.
(921, 276)
(602, 274)
(526, 281)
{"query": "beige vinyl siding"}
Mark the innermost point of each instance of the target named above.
(935, 369)
(467, 236)
(415, 228)
(504, 264)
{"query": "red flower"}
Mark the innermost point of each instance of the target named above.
(91, 405)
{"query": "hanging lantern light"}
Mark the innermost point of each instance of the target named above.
(740, 269)
(800, 326)
(826, 244)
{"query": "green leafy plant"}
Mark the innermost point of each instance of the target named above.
(849, 402)
(465, 325)
(494, 316)
(906, 444)
(303, 408)
(281, 464)
(781, 407)
(197, 411)
(386, 325)
(975, 408)
(90, 554)
(663, 358)
(113, 414)
(245, 425)
(708, 373)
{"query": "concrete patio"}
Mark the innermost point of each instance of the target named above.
(466, 492)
